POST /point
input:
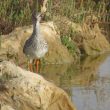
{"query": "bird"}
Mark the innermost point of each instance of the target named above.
(35, 46)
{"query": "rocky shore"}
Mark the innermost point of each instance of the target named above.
(24, 90)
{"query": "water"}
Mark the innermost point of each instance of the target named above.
(87, 83)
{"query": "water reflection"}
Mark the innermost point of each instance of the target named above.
(88, 83)
(69, 74)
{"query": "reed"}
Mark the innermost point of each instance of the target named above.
(15, 13)
(77, 11)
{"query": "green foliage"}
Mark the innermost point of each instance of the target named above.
(18, 12)
(68, 43)
(76, 12)
(14, 13)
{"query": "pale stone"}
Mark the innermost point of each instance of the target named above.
(12, 45)
(88, 36)
(6, 107)
(24, 90)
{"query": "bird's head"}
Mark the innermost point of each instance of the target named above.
(36, 17)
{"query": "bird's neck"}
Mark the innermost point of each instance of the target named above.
(36, 28)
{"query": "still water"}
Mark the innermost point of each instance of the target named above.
(87, 83)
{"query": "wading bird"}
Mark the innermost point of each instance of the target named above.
(36, 46)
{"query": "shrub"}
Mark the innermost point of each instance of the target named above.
(69, 44)
(14, 13)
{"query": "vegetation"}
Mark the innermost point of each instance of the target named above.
(60, 11)
(68, 43)
(14, 13)
(66, 39)
(18, 13)
(76, 10)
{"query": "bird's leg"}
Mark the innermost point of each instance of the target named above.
(37, 65)
(30, 65)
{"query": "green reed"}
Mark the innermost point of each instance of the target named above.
(15, 13)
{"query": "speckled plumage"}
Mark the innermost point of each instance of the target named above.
(36, 46)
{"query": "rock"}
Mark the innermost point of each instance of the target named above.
(6, 107)
(87, 36)
(24, 90)
(92, 40)
(12, 45)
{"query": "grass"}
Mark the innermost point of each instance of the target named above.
(76, 12)
(73, 11)
(14, 13)
(69, 44)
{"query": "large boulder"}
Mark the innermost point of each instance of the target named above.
(24, 90)
(88, 36)
(93, 40)
(12, 45)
